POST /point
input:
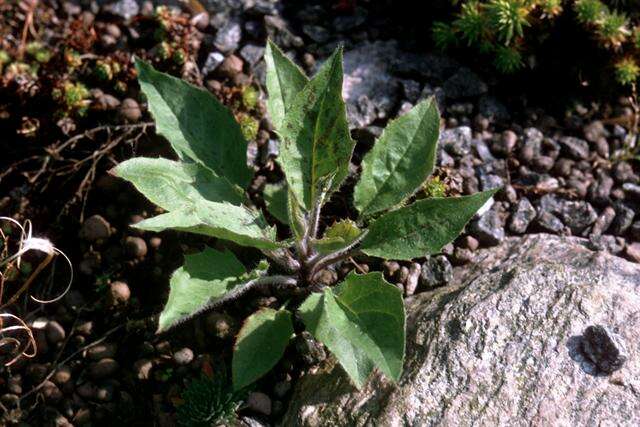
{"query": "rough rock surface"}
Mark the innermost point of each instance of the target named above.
(504, 345)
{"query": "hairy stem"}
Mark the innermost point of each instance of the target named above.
(242, 289)
(332, 258)
(284, 259)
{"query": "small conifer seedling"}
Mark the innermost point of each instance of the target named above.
(362, 319)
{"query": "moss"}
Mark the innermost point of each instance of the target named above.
(434, 187)
(249, 126)
(103, 71)
(627, 71)
(250, 98)
(38, 52)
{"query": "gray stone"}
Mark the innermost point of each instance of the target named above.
(279, 32)
(456, 141)
(436, 271)
(252, 53)
(499, 347)
(228, 37)
(125, 9)
(214, 59)
(522, 216)
(575, 147)
(488, 229)
(577, 215)
(548, 222)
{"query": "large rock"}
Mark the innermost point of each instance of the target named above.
(369, 88)
(505, 345)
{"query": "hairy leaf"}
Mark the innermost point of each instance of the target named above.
(400, 161)
(422, 228)
(315, 134)
(196, 124)
(297, 218)
(275, 197)
(284, 80)
(337, 236)
(260, 344)
(172, 185)
(223, 220)
(204, 278)
(362, 323)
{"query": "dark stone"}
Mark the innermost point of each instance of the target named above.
(493, 109)
(464, 84)
(310, 350)
(411, 90)
(634, 230)
(316, 33)
(370, 90)
(488, 229)
(436, 271)
(604, 348)
(575, 147)
(349, 22)
(623, 220)
(601, 189)
(522, 216)
(631, 190)
(623, 172)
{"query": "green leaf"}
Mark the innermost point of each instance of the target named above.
(260, 344)
(337, 236)
(275, 197)
(173, 185)
(400, 161)
(196, 124)
(362, 323)
(422, 228)
(222, 220)
(297, 218)
(197, 201)
(315, 134)
(284, 80)
(203, 279)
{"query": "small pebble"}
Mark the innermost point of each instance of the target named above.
(95, 228)
(118, 294)
(55, 332)
(183, 356)
(259, 402)
(130, 110)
